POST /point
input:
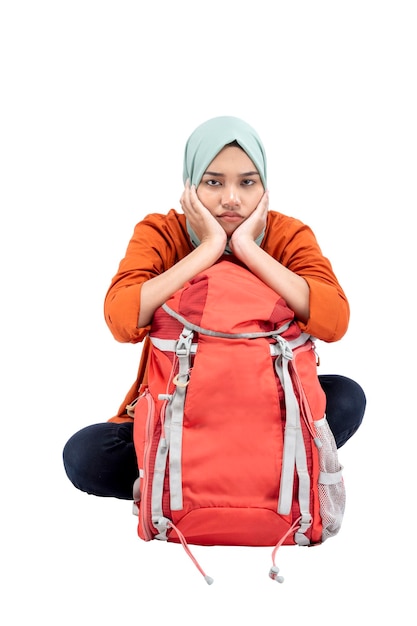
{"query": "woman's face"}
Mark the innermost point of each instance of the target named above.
(231, 188)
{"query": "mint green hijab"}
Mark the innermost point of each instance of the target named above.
(212, 136)
(205, 143)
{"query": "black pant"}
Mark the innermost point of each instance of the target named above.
(101, 460)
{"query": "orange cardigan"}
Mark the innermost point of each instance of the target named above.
(159, 241)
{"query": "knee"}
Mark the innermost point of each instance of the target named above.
(100, 459)
(344, 395)
(345, 406)
(74, 456)
(354, 398)
(82, 454)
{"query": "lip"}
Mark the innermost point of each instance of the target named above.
(230, 216)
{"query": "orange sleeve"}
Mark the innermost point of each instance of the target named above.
(293, 244)
(158, 242)
(141, 379)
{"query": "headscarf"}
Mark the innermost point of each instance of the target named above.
(205, 143)
(212, 136)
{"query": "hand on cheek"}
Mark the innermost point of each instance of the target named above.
(254, 225)
(200, 219)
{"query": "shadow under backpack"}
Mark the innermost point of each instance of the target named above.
(230, 431)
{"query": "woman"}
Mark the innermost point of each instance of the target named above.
(225, 210)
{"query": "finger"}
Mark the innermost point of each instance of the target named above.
(193, 193)
(265, 198)
(263, 205)
(195, 200)
(185, 197)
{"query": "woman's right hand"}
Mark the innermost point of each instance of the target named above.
(212, 236)
(205, 226)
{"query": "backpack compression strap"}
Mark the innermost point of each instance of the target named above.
(173, 423)
(294, 452)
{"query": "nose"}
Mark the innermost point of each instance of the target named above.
(230, 197)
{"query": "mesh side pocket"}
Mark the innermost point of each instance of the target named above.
(331, 486)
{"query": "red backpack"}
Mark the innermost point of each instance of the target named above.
(230, 432)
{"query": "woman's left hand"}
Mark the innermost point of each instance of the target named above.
(253, 226)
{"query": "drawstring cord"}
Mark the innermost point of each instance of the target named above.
(273, 572)
(184, 543)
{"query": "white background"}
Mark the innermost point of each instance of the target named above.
(97, 100)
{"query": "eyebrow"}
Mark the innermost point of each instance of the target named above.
(254, 173)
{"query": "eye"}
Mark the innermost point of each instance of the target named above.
(247, 182)
(212, 183)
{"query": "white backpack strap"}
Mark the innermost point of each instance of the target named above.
(294, 452)
(172, 442)
(292, 422)
(175, 413)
